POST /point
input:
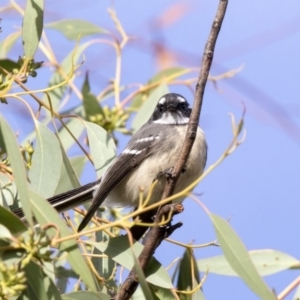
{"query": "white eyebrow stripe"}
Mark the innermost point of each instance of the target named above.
(162, 100)
(181, 99)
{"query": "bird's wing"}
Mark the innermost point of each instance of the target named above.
(136, 151)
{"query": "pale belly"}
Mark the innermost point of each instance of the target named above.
(143, 176)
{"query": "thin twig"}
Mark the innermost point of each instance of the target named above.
(155, 235)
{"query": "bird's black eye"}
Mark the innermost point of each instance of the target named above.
(160, 107)
(183, 106)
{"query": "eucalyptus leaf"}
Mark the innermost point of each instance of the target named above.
(32, 26)
(39, 285)
(239, 259)
(148, 106)
(90, 103)
(73, 29)
(7, 43)
(45, 171)
(45, 214)
(122, 252)
(11, 221)
(188, 274)
(76, 127)
(85, 295)
(17, 164)
(266, 262)
(102, 147)
(173, 72)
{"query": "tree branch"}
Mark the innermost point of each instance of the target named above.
(156, 234)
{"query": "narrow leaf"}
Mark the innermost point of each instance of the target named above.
(239, 259)
(39, 285)
(46, 167)
(91, 106)
(266, 262)
(32, 26)
(75, 28)
(45, 214)
(148, 106)
(11, 221)
(102, 147)
(82, 295)
(120, 251)
(17, 164)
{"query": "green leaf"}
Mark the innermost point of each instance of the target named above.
(45, 214)
(73, 29)
(173, 72)
(17, 164)
(102, 147)
(83, 295)
(7, 43)
(39, 285)
(148, 106)
(120, 251)
(296, 296)
(32, 26)
(105, 266)
(76, 127)
(266, 262)
(4, 232)
(188, 274)
(45, 171)
(148, 293)
(239, 259)
(9, 65)
(11, 221)
(8, 191)
(68, 177)
(66, 65)
(90, 103)
(161, 293)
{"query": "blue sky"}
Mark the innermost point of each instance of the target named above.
(258, 186)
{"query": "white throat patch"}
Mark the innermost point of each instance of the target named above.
(172, 119)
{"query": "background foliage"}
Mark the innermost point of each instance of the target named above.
(55, 114)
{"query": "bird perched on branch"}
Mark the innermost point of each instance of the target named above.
(151, 154)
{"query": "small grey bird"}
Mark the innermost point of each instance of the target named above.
(152, 151)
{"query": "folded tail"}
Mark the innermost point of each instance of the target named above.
(69, 199)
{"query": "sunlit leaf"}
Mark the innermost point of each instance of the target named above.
(76, 127)
(161, 293)
(84, 295)
(4, 232)
(148, 106)
(188, 274)
(239, 259)
(90, 103)
(39, 285)
(120, 251)
(173, 73)
(11, 221)
(8, 191)
(45, 171)
(266, 262)
(17, 165)
(45, 214)
(65, 68)
(9, 65)
(75, 28)
(102, 147)
(32, 26)
(7, 43)
(148, 293)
